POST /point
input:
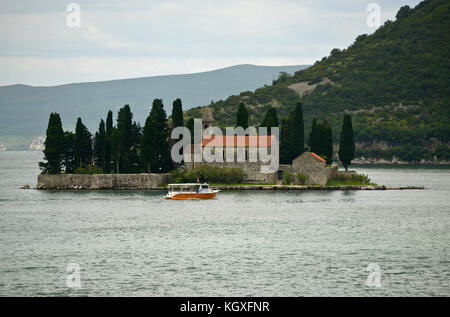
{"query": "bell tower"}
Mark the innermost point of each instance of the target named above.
(207, 119)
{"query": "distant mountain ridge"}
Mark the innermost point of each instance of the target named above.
(25, 109)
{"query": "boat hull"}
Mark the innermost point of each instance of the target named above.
(192, 196)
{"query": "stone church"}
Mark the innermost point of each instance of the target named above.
(310, 164)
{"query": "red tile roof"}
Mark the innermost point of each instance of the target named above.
(317, 157)
(263, 141)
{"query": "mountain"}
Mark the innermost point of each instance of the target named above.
(395, 83)
(25, 109)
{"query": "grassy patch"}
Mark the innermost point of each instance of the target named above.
(355, 179)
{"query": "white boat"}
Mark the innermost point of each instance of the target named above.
(190, 191)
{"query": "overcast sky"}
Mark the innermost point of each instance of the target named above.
(135, 38)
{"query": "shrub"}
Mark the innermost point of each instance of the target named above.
(209, 173)
(352, 179)
(89, 169)
(302, 178)
(287, 178)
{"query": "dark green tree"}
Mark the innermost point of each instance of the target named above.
(116, 142)
(82, 145)
(242, 116)
(403, 12)
(297, 131)
(190, 126)
(285, 141)
(54, 146)
(155, 145)
(325, 141)
(69, 159)
(147, 144)
(135, 162)
(177, 113)
(347, 142)
(107, 168)
(270, 120)
(313, 140)
(124, 125)
(100, 144)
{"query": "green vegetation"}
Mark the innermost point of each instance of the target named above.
(124, 148)
(54, 146)
(155, 143)
(297, 178)
(324, 143)
(89, 169)
(302, 178)
(270, 120)
(242, 116)
(297, 137)
(82, 145)
(177, 114)
(210, 174)
(287, 178)
(347, 143)
(394, 83)
(353, 179)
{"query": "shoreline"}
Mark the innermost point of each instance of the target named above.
(262, 187)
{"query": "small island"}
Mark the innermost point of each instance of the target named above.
(127, 156)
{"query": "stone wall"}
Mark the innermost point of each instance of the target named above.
(252, 171)
(102, 181)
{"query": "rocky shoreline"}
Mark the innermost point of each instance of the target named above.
(395, 161)
(301, 187)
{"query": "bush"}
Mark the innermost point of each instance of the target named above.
(302, 178)
(352, 179)
(287, 178)
(89, 169)
(209, 173)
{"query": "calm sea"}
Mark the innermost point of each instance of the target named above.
(239, 244)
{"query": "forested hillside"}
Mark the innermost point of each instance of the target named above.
(395, 83)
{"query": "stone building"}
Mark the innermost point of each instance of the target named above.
(310, 164)
(314, 167)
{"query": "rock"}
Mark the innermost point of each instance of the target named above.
(26, 186)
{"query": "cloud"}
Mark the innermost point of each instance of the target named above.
(171, 35)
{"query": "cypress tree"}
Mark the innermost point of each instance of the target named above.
(313, 141)
(82, 145)
(242, 116)
(270, 120)
(285, 141)
(100, 144)
(116, 142)
(297, 131)
(325, 141)
(69, 160)
(347, 142)
(177, 113)
(177, 118)
(190, 126)
(155, 145)
(54, 146)
(108, 143)
(134, 159)
(147, 145)
(124, 125)
(109, 123)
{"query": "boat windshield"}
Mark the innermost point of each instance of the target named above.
(191, 188)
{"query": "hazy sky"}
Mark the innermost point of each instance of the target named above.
(134, 38)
